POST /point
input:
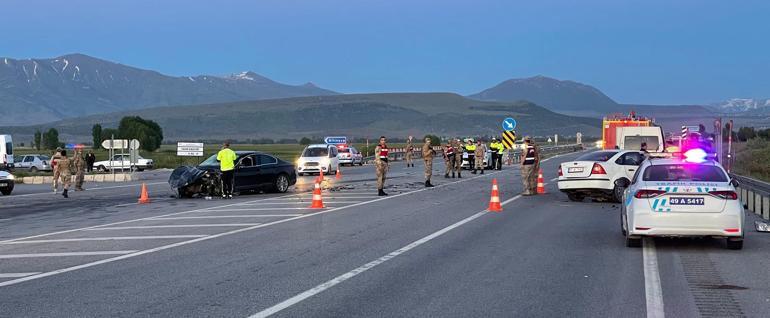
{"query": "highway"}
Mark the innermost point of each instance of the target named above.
(419, 252)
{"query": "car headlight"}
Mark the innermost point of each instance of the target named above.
(11, 177)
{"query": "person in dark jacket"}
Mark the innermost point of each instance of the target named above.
(90, 159)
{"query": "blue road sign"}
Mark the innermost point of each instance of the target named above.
(509, 124)
(336, 140)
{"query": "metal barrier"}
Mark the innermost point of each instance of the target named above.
(512, 156)
(754, 195)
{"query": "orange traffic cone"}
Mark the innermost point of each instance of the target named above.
(321, 175)
(144, 197)
(494, 201)
(338, 175)
(540, 183)
(318, 203)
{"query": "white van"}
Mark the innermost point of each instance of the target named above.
(317, 158)
(631, 138)
(6, 152)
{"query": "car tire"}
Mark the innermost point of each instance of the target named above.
(576, 197)
(6, 192)
(633, 241)
(734, 244)
(33, 169)
(101, 169)
(617, 193)
(281, 183)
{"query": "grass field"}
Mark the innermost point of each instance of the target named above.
(752, 159)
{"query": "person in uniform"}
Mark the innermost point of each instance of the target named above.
(458, 158)
(90, 159)
(470, 149)
(381, 165)
(493, 146)
(530, 159)
(80, 169)
(409, 152)
(54, 163)
(427, 157)
(478, 156)
(63, 166)
(226, 158)
(449, 159)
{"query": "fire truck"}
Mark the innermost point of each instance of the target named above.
(629, 132)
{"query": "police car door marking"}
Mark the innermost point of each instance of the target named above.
(655, 204)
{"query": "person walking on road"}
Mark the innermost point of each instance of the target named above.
(226, 158)
(478, 156)
(427, 157)
(80, 169)
(63, 167)
(529, 164)
(449, 159)
(54, 163)
(410, 152)
(90, 159)
(458, 146)
(381, 165)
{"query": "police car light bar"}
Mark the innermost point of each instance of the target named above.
(696, 155)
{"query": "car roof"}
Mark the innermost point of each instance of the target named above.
(318, 146)
(249, 152)
(674, 161)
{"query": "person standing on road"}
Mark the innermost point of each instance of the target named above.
(226, 158)
(470, 149)
(458, 158)
(530, 160)
(427, 157)
(493, 146)
(381, 165)
(90, 159)
(479, 153)
(409, 152)
(449, 159)
(64, 169)
(80, 169)
(54, 163)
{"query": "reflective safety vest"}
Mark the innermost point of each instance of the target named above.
(383, 152)
(470, 148)
(529, 159)
(497, 146)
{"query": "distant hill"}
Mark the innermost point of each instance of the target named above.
(358, 115)
(43, 90)
(752, 106)
(566, 97)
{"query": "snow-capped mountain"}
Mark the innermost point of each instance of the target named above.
(740, 105)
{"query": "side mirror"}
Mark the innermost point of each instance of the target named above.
(735, 183)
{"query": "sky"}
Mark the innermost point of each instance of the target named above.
(640, 52)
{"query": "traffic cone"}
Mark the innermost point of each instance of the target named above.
(338, 175)
(318, 203)
(144, 197)
(321, 175)
(540, 183)
(494, 201)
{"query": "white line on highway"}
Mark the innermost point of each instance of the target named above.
(326, 196)
(114, 238)
(339, 279)
(140, 227)
(554, 179)
(17, 275)
(223, 216)
(290, 203)
(652, 288)
(251, 209)
(87, 189)
(95, 253)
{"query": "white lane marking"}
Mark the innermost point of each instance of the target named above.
(554, 179)
(17, 275)
(114, 238)
(298, 202)
(95, 253)
(251, 209)
(141, 227)
(49, 192)
(211, 237)
(325, 196)
(224, 216)
(652, 289)
(339, 279)
(117, 223)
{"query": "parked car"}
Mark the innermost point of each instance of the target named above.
(349, 155)
(123, 162)
(253, 171)
(599, 174)
(6, 182)
(34, 163)
(317, 158)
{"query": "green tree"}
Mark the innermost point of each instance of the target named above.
(96, 134)
(38, 142)
(148, 132)
(51, 139)
(434, 140)
(746, 133)
(305, 141)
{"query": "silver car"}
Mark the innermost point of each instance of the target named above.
(34, 163)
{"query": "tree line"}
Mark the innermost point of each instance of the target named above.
(148, 132)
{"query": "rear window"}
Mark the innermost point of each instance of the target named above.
(597, 156)
(635, 142)
(9, 148)
(44, 158)
(315, 152)
(345, 150)
(684, 172)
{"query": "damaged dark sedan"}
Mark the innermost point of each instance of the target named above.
(254, 171)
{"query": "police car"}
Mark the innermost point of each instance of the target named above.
(682, 197)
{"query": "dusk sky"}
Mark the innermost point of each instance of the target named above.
(661, 52)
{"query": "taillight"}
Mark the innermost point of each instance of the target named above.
(727, 195)
(732, 230)
(560, 174)
(598, 169)
(646, 194)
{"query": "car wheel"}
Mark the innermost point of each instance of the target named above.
(734, 244)
(6, 192)
(281, 183)
(617, 193)
(299, 174)
(575, 197)
(101, 169)
(33, 169)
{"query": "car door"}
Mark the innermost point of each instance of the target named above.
(268, 170)
(25, 162)
(246, 171)
(630, 162)
(335, 163)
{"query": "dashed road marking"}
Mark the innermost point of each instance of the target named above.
(114, 238)
(652, 289)
(225, 216)
(17, 275)
(170, 226)
(94, 253)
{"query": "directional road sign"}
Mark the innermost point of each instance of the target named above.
(508, 138)
(336, 140)
(189, 149)
(115, 144)
(509, 124)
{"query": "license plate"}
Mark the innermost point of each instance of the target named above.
(575, 169)
(3, 185)
(686, 201)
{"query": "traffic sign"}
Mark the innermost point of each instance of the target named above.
(115, 144)
(336, 140)
(189, 149)
(134, 144)
(509, 124)
(508, 138)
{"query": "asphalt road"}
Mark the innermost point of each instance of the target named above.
(416, 253)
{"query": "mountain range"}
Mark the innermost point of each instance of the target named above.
(743, 105)
(43, 90)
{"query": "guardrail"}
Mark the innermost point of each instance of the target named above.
(511, 156)
(754, 195)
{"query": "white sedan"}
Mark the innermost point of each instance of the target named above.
(676, 197)
(599, 174)
(123, 162)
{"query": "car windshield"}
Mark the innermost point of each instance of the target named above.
(315, 152)
(210, 162)
(684, 172)
(597, 156)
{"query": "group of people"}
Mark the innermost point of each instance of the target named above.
(65, 167)
(453, 158)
